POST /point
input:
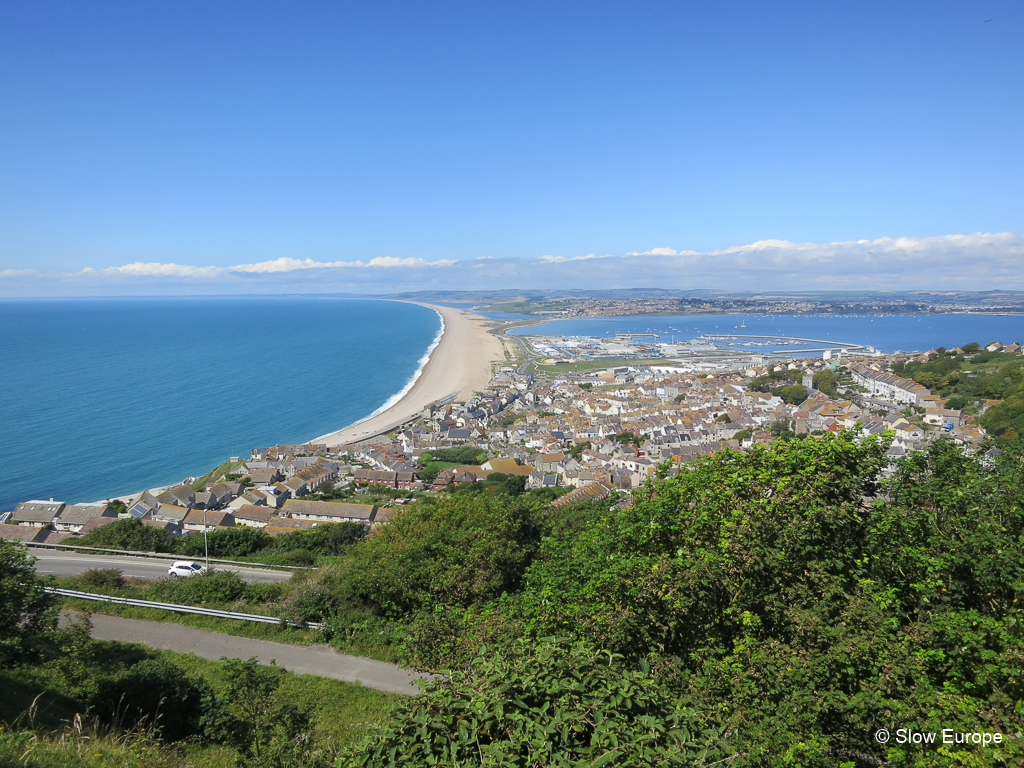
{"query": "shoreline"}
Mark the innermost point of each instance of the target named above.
(459, 363)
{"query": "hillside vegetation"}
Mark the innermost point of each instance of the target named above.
(970, 377)
(773, 607)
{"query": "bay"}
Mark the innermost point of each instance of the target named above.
(887, 333)
(100, 398)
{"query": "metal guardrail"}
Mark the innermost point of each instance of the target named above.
(161, 556)
(177, 608)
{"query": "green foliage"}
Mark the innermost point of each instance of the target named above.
(743, 434)
(463, 454)
(328, 539)
(791, 393)
(825, 381)
(457, 551)
(496, 483)
(577, 450)
(210, 588)
(25, 609)
(239, 541)
(268, 732)
(587, 385)
(118, 506)
(558, 705)
(724, 419)
(770, 596)
(129, 534)
(156, 693)
(101, 578)
(629, 437)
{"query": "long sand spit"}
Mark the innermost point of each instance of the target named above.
(461, 363)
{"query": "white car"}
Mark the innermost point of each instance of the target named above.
(185, 568)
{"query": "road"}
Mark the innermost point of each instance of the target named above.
(321, 660)
(57, 563)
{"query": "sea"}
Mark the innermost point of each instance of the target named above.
(886, 333)
(100, 398)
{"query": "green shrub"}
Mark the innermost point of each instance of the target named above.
(129, 534)
(155, 693)
(463, 454)
(25, 609)
(263, 593)
(312, 602)
(211, 588)
(324, 539)
(240, 541)
(296, 557)
(561, 704)
(102, 578)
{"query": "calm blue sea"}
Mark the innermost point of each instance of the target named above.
(102, 398)
(888, 333)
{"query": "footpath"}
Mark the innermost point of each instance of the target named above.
(321, 660)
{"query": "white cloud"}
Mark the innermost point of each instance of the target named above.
(563, 259)
(979, 261)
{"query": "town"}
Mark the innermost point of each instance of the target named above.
(592, 433)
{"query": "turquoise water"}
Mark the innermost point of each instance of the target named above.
(102, 398)
(888, 333)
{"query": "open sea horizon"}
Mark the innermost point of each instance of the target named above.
(100, 398)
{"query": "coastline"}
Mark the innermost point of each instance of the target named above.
(460, 363)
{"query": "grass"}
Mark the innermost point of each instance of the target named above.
(52, 737)
(215, 474)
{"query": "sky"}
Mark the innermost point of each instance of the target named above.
(253, 147)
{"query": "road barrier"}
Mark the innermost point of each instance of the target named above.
(162, 556)
(178, 608)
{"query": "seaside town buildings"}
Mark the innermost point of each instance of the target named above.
(591, 434)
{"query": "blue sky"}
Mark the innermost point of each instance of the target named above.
(256, 147)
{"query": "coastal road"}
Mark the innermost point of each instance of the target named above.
(56, 563)
(321, 660)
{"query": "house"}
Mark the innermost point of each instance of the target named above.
(254, 517)
(74, 517)
(37, 514)
(169, 513)
(329, 511)
(144, 506)
(22, 533)
(96, 522)
(203, 519)
(171, 529)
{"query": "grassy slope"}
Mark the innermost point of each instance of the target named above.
(344, 710)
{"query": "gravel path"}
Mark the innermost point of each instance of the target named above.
(319, 660)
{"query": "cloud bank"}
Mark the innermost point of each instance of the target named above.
(979, 261)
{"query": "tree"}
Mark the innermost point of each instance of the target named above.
(825, 381)
(791, 393)
(268, 733)
(25, 609)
